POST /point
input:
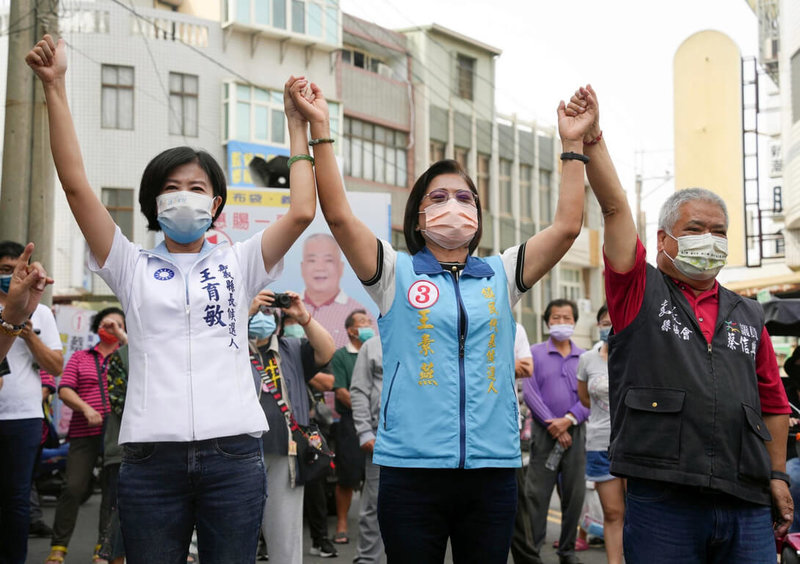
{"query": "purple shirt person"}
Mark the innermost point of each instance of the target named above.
(552, 395)
(552, 391)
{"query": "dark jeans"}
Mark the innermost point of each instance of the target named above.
(81, 460)
(349, 456)
(420, 508)
(315, 506)
(522, 541)
(110, 541)
(539, 484)
(167, 488)
(19, 443)
(666, 524)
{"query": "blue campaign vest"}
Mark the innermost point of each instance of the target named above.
(448, 404)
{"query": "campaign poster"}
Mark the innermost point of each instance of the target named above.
(314, 267)
(73, 326)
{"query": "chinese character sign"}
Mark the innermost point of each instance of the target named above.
(73, 326)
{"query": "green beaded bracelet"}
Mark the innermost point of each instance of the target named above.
(320, 140)
(296, 158)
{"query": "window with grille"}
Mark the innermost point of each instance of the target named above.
(183, 101)
(570, 283)
(482, 180)
(119, 203)
(465, 76)
(374, 152)
(525, 195)
(545, 197)
(506, 194)
(116, 97)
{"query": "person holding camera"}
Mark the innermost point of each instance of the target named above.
(290, 364)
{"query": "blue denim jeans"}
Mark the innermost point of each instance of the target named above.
(166, 489)
(19, 444)
(419, 508)
(667, 524)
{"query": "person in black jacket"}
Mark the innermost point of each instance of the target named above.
(699, 416)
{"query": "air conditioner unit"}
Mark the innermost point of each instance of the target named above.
(385, 70)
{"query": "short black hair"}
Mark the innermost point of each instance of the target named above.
(157, 170)
(601, 312)
(351, 319)
(560, 303)
(414, 240)
(102, 314)
(10, 249)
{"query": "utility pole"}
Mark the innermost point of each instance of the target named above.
(641, 221)
(26, 190)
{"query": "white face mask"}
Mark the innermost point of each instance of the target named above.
(700, 257)
(184, 216)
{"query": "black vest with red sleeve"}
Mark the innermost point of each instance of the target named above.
(683, 410)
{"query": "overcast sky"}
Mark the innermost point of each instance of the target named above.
(624, 48)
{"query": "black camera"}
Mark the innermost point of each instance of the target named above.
(282, 300)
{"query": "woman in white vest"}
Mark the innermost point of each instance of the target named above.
(448, 438)
(191, 426)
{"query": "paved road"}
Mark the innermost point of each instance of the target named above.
(85, 536)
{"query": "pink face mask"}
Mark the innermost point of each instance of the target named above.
(450, 224)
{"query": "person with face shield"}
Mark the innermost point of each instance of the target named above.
(448, 439)
(699, 417)
(192, 423)
(292, 364)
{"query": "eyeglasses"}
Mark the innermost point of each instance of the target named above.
(440, 195)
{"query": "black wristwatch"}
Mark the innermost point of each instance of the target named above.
(782, 476)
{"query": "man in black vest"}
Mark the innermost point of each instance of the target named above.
(699, 415)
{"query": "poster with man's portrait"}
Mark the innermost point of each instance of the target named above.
(314, 267)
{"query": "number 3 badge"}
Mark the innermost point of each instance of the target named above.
(423, 294)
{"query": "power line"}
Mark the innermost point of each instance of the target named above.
(161, 82)
(191, 47)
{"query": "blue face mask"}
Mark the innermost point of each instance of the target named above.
(365, 333)
(294, 330)
(5, 282)
(261, 326)
(184, 216)
(604, 333)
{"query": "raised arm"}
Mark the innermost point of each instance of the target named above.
(546, 248)
(356, 240)
(619, 233)
(28, 282)
(281, 235)
(318, 337)
(49, 61)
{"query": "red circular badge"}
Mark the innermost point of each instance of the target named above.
(423, 294)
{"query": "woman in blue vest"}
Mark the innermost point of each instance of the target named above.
(448, 439)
